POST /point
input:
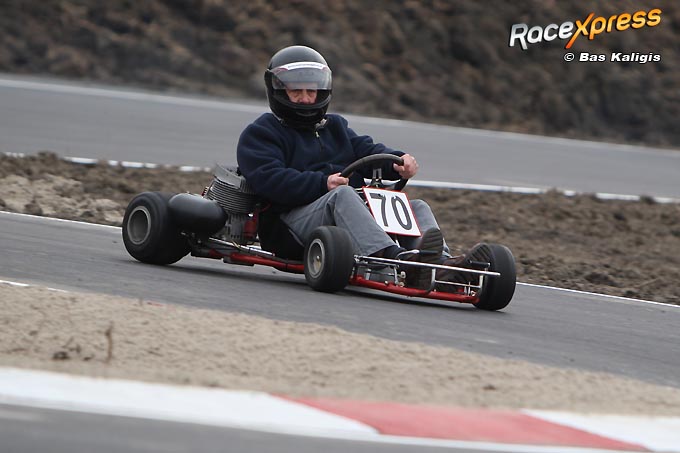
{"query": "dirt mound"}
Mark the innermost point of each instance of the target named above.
(620, 248)
(440, 61)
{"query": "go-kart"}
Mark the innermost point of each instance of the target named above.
(222, 223)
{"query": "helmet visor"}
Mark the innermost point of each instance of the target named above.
(300, 75)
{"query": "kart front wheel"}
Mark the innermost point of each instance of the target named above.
(328, 259)
(149, 234)
(497, 292)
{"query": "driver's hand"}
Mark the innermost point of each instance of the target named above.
(409, 169)
(336, 180)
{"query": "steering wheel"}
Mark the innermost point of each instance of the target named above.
(376, 161)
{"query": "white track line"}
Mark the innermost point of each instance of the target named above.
(13, 283)
(26, 285)
(536, 191)
(55, 219)
(587, 293)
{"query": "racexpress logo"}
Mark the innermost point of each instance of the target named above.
(522, 34)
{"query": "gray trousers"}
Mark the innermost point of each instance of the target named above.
(344, 208)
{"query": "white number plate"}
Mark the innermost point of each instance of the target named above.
(392, 211)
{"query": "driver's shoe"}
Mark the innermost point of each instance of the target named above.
(429, 250)
(476, 258)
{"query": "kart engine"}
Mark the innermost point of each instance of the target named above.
(234, 195)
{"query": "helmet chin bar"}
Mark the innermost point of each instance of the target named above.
(299, 115)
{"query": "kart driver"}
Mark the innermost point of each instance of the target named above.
(293, 157)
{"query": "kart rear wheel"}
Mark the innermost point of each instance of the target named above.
(329, 259)
(149, 234)
(497, 292)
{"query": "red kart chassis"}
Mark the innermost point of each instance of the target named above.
(463, 293)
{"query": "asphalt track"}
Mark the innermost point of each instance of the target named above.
(146, 127)
(541, 325)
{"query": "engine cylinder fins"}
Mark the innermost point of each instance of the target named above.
(232, 177)
(232, 192)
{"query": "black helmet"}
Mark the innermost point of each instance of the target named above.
(298, 67)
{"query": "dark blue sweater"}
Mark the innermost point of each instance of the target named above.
(289, 167)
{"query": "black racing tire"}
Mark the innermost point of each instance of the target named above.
(329, 259)
(149, 234)
(497, 292)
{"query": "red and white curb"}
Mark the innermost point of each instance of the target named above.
(528, 431)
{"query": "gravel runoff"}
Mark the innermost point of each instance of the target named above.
(107, 336)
